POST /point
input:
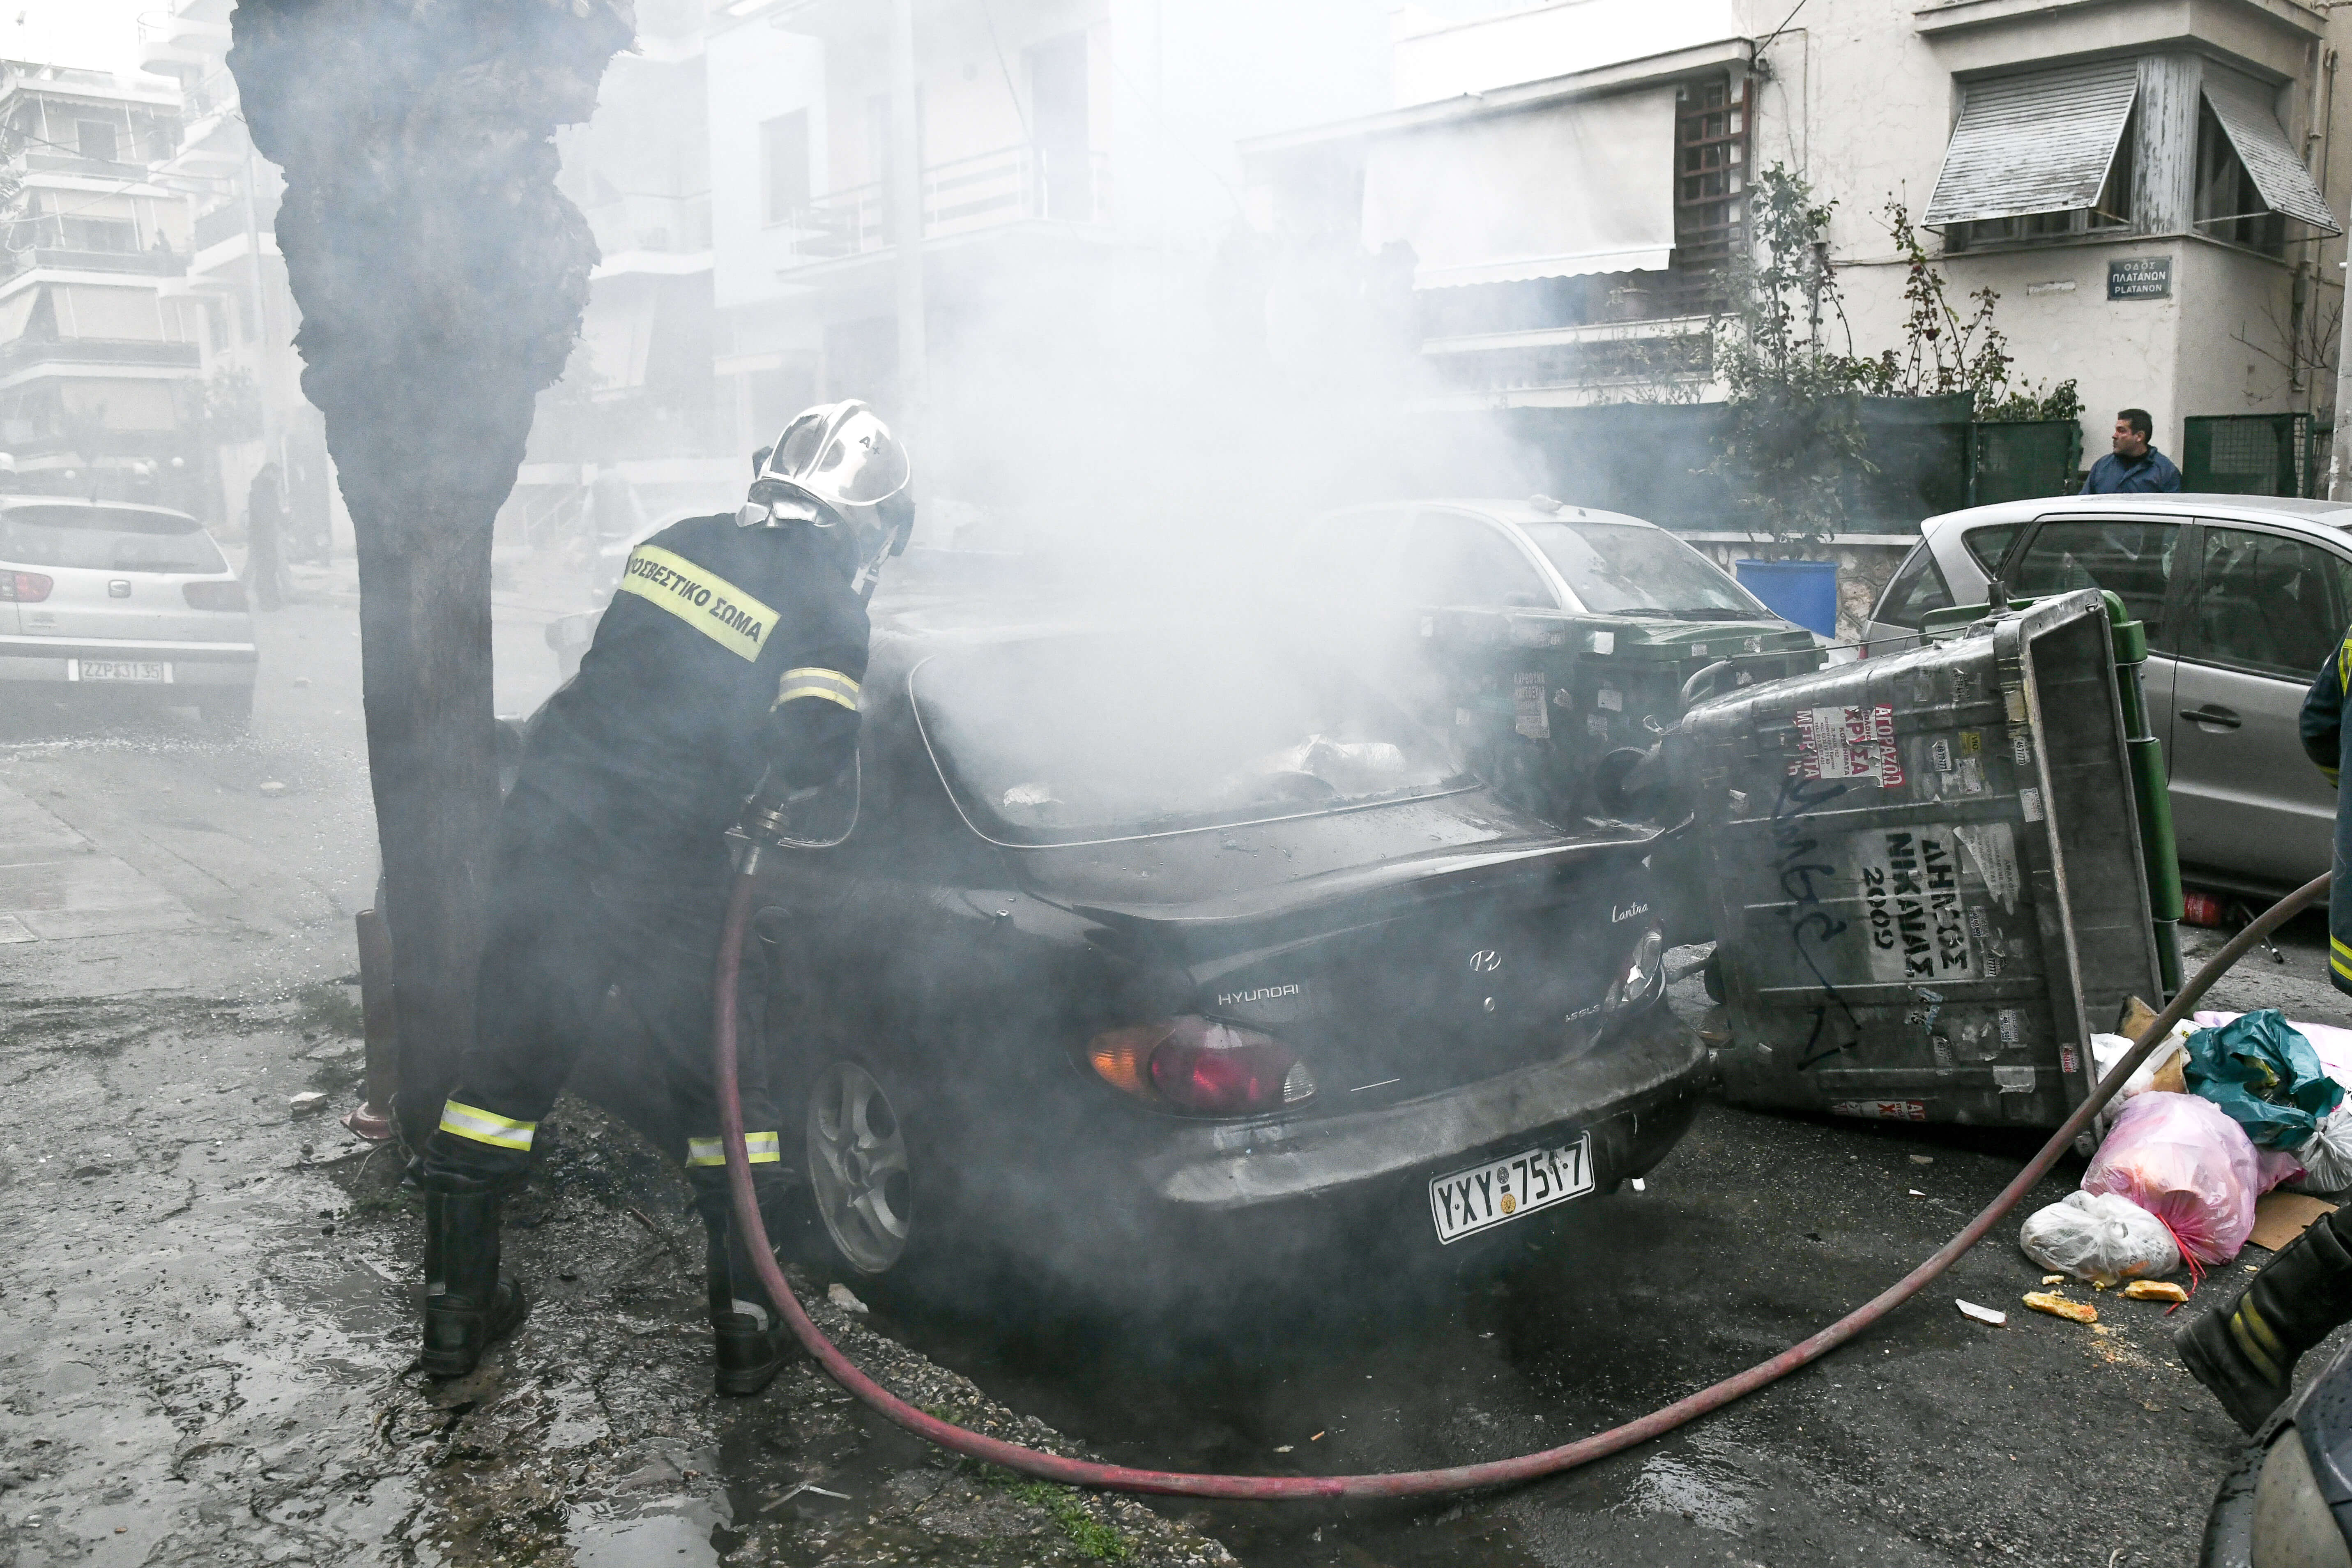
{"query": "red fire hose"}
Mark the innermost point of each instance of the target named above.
(1399, 1483)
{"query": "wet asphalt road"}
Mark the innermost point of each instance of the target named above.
(202, 1320)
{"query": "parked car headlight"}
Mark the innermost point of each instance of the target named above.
(1200, 1068)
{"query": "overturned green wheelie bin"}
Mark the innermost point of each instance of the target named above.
(1927, 871)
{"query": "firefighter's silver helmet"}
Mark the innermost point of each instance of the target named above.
(838, 464)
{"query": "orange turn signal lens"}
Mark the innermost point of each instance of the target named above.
(1122, 1058)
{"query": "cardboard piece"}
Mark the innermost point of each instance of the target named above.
(2171, 1077)
(2279, 1217)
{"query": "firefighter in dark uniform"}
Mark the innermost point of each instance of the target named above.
(732, 652)
(2245, 1352)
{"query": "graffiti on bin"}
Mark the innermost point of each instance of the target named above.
(1913, 905)
(1811, 927)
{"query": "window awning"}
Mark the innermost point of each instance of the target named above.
(1558, 191)
(2038, 144)
(121, 404)
(93, 311)
(16, 312)
(2253, 130)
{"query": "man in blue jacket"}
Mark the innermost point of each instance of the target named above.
(2134, 467)
(2245, 1352)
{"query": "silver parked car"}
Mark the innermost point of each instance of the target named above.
(127, 598)
(2244, 598)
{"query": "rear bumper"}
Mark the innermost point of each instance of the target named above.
(48, 661)
(1635, 1094)
(1208, 1216)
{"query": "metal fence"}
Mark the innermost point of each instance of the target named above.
(1926, 456)
(2019, 460)
(2252, 455)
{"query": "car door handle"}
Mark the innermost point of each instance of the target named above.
(2211, 713)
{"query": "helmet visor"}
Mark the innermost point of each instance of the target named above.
(845, 456)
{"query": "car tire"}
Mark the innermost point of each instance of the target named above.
(865, 1158)
(1711, 975)
(227, 715)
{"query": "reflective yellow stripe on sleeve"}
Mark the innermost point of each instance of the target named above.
(486, 1127)
(2340, 957)
(763, 1147)
(830, 684)
(700, 597)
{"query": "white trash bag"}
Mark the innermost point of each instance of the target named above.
(2100, 1237)
(2327, 1157)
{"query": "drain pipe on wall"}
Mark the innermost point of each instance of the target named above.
(1396, 1483)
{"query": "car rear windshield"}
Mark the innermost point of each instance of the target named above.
(1625, 569)
(105, 539)
(1068, 740)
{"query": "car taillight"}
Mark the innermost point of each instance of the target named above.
(1643, 978)
(228, 595)
(24, 587)
(1201, 1067)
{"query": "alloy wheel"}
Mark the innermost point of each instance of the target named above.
(858, 1168)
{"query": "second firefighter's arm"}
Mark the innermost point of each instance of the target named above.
(2322, 723)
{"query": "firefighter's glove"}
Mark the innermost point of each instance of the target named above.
(814, 817)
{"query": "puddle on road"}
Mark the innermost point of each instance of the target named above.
(1697, 1479)
(656, 1541)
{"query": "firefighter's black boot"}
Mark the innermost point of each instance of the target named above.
(467, 1302)
(2245, 1353)
(750, 1344)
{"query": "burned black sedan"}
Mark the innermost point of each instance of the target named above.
(1149, 948)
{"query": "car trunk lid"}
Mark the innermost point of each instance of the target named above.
(117, 574)
(1391, 975)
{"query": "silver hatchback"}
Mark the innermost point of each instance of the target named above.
(136, 599)
(2244, 598)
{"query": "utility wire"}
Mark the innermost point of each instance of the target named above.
(1774, 35)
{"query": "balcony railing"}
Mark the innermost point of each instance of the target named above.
(39, 161)
(1013, 185)
(227, 222)
(154, 263)
(99, 351)
(216, 91)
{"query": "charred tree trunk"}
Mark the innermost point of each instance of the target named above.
(441, 278)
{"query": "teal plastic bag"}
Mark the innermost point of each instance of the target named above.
(2266, 1075)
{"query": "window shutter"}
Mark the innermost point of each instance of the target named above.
(2038, 144)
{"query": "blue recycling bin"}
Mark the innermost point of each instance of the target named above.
(1804, 592)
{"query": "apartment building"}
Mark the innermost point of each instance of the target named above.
(252, 410)
(637, 431)
(2148, 185)
(101, 358)
(1078, 185)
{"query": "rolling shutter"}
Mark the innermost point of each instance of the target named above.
(2253, 130)
(2038, 144)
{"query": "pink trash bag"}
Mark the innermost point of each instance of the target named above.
(2182, 1159)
